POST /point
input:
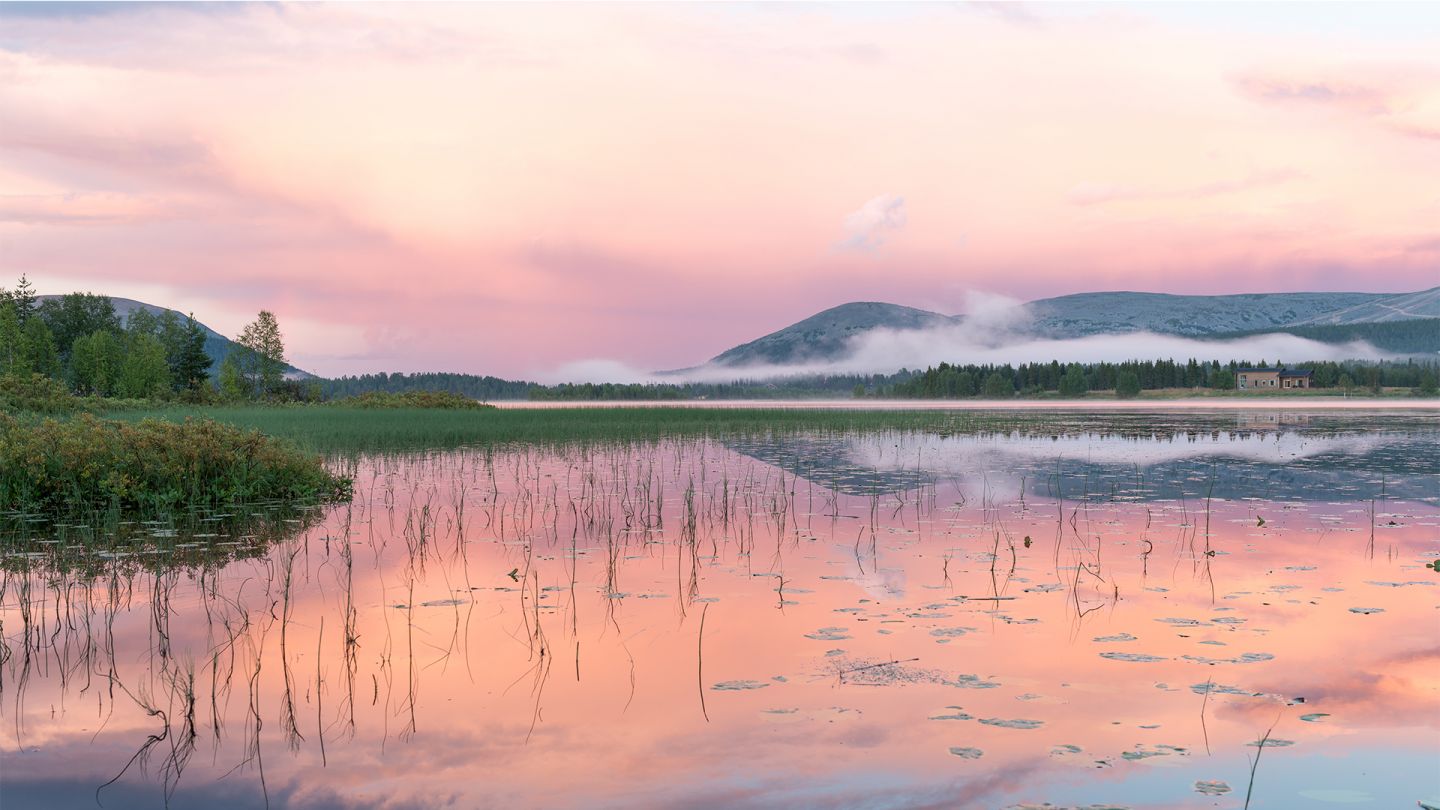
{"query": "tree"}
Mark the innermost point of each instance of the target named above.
(1224, 380)
(233, 386)
(12, 349)
(1127, 385)
(143, 372)
(39, 349)
(1073, 384)
(262, 358)
(1346, 382)
(24, 298)
(95, 363)
(997, 386)
(71, 317)
(1428, 386)
(190, 364)
(141, 321)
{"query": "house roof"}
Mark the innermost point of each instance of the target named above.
(1296, 373)
(1257, 370)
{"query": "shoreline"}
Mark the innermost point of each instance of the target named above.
(1140, 405)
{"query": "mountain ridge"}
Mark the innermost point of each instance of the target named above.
(826, 335)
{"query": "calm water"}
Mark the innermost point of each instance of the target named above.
(1101, 613)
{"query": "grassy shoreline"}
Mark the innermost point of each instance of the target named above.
(333, 429)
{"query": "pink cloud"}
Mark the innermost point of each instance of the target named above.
(504, 189)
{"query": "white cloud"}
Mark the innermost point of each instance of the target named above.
(865, 228)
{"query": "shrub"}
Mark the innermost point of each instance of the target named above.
(85, 464)
(35, 393)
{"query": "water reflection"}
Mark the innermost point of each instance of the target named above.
(978, 624)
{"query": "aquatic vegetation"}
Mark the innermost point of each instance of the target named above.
(1211, 787)
(1139, 658)
(738, 686)
(604, 602)
(1022, 724)
(87, 465)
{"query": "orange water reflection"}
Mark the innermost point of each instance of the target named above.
(512, 642)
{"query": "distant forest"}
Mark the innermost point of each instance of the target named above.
(494, 388)
(945, 381)
(1418, 336)
(470, 385)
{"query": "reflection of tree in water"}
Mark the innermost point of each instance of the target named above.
(197, 540)
(215, 590)
(70, 582)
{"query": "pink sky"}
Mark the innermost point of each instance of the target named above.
(506, 189)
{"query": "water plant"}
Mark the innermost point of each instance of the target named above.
(91, 465)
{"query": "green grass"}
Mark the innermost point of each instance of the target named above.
(339, 430)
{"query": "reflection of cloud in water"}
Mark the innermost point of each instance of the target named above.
(1294, 464)
(880, 584)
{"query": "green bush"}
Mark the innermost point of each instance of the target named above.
(85, 464)
(35, 393)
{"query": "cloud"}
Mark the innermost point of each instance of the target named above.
(1100, 193)
(1395, 103)
(77, 208)
(1015, 12)
(866, 226)
(885, 351)
(1352, 97)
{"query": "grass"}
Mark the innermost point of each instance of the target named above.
(435, 400)
(341, 430)
(85, 466)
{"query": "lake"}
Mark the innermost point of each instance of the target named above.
(1140, 609)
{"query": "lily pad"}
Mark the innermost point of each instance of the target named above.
(737, 686)
(1026, 724)
(1211, 787)
(1140, 658)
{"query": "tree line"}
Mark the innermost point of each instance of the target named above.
(80, 342)
(1128, 379)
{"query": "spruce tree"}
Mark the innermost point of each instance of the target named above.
(191, 366)
(24, 298)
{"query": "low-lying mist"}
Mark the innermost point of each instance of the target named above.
(994, 332)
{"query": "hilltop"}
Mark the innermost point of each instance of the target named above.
(826, 336)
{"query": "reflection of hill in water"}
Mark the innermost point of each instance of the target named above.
(1286, 465)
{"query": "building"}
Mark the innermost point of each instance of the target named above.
(1264, 379)
(1295, 378)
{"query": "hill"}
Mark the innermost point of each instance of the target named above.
(1188, 315)
(825, 336)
